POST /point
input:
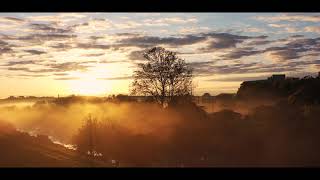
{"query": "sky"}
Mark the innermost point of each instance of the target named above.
(46, 54)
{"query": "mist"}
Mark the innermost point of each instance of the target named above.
(63, 122)
(238, 133)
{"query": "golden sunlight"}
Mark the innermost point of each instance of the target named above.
(88, 86)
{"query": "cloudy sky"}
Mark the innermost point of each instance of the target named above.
(45, 54)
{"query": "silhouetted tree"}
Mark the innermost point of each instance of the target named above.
(163, 76)
(86, 143)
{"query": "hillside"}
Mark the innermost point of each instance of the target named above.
(19, 149)
(296, 91)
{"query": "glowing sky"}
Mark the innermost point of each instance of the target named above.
(45, 54)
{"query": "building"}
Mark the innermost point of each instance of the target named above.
(277, 77)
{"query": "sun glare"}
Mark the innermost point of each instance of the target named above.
(88, 84)
(88, 87)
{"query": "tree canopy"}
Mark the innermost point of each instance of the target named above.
(164, 76)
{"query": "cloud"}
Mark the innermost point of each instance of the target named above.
(208, 69)
(259, 42)
(226, 40)
(39, 34)
(255, 30)
(67, 78)
(168, 21)
(11, 22)
(61, 46)
(315, 29)
(128, 34)
(129, 25)
(5, 47)
(287, 27)
(193, 30)
(19, 69)
(31, 75)
(88, 62)
(35, 52)
(61, 19)
(61, 74)
(94, 55)
(201, 63)
(308, 43)
(14, 19)
(235, 68)
(92, 25)
(144, 41)
(93, 46)
(278, 25)
(96, 37)
(297, 36)
(110, 62)
(57, 67)
(290, 17)
(26, 76)
(42, 38)
(3, 43)
(204, 41)
(283, 54)
(68, 66)
(116, 78)
(4, 50)
(202, 68)
(303, 63)
(240, 52)
(237, 79)
(218, 40)
(13, 63)
(32, 70)
(48, 28)
(294, 49)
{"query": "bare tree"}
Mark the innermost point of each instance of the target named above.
(164, 76)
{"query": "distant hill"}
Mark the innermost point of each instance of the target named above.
(307, 92)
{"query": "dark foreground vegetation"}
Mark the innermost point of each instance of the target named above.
(280, 135)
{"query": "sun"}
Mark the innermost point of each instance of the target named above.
(95, 83)
(88, 86)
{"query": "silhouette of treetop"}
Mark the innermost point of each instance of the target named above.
(164, 76)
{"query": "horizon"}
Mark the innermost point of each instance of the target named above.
(108, 95)
(95, 54)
